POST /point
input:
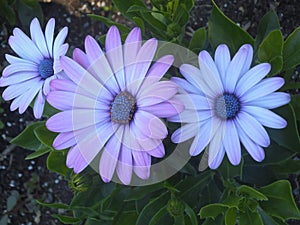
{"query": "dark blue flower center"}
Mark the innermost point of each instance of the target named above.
(227, 106)
(46, 68)
(122, 108)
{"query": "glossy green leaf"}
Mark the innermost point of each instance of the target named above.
(181, 15)
(66, 219)
(230, 216)
(123, 7)
(27, 138)
(218, 221)
(152, 208)
(56, 162)
(198, 40)
(38, 153)
(267, 219)
(213, 210)
(54, 205)
(138, 8)
(252, 193)
(249, 217)
(109, 22)
(268, 23)
(295, 102)
(287, 137)
(44, 135)
(270, 50)
(191, 215)
(291, 50)
(222, 30)
(281, 203)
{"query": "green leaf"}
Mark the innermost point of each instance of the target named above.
(53, 205)
(291, 50)
(267, 219)
(198, 40)
(295, 102)
(268, 23)
(44, 135)
(27, 138)
(251, 192)
(270, 51)
(181, 15)
(286, 167)
(56, 162)
(152, 208)
(191, 214)
(157, 217)
(222, 30)
(249, 217)
(27, 13)
(12, 200)
(49, 110)
(213, 210)
(109, 22)
(1, 125)
(38, 153)
(66, 219)
(7, 11)
(123, 7)
(281, 203)
(138, 8)
(287, 137)
(137, 193)
(230, 216)
(140, 23)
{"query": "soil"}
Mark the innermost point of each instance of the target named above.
(31, 179)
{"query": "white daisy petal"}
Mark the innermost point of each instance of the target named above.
(222, 60)
(38, 37)
(231, 143)
(271, 101)
(49, 33)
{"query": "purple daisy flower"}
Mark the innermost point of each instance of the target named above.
(228, 103)
(29, 75)
(114, 101)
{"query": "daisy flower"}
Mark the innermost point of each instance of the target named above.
(228, 103)
(114, 102)
(38, 63)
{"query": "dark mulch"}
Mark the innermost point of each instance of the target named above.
(30, 178)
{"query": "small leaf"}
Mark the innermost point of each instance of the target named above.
(56, 162)
(157, 217)
(44, 135)
(191, 214)
(123, 7)
(66, 219)
(109, 22)
(38, 153)
(270, 51)
(212, 210)
(291, 50)
(281, 203)
(251, 192)
(27, 139)
(198, 40)
(268, 23)
(295, 102)
(249, 217)
(12, 200)
(222, 30)
(53, 205)
(230, 216)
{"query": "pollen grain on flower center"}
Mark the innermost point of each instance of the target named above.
(227, 106)
(122, 108)
(46, 68)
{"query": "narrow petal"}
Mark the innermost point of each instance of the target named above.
(109, 157)
(124, 166)
(237, 67)
(266, 117)
(13, 59)
(210, 72)
(222, 60)
(252, 77)
(263, 88)
(114, 54)
(217, 159)
(19, 67)
(59, 40)
(231, 143)
(150, 125)
(184, 133)
(186, 86)
(49, 35)
(191, 116)
(38, 37)
(64, 140)
(81, 58)
(17, 78)
(142, 163)
(253, 129)
(157, 152)
(271, 101)
(39, 104)
(256, 152)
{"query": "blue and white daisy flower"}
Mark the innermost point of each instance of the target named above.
(29, 75)
(228, 103)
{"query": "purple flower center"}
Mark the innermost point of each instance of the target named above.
(122, 108)
(227, 106)
(46, 68)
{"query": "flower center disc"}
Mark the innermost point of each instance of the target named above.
(227, 106)
(46, 68)
(122, 108)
